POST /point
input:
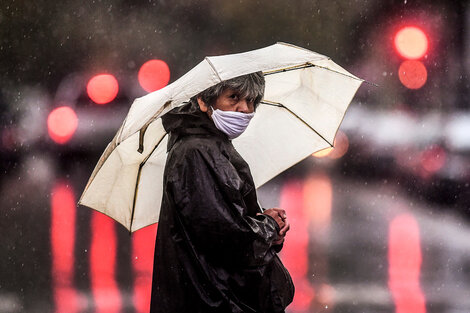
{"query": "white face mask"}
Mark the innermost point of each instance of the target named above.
(231, 123)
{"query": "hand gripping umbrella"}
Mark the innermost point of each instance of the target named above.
(305, 100)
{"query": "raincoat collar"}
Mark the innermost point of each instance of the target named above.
(188, 119)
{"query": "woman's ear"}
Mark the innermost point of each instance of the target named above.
(202, 105)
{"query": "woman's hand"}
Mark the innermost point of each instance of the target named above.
(280, 217)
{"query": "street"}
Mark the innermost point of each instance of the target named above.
(372, 248)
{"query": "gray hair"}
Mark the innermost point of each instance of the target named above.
(250, 86)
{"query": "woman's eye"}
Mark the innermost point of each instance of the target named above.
(233, 96)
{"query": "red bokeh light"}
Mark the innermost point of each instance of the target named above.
(143, 246)
(154, 75)
(62, 123)
(295, 250)
(411, 42)
(102, 88)
(63, 216)
(404, 257)
(317, 206)
(433, 159)
(103, 251)
(412, 74)
(341, 145)
(323, 153)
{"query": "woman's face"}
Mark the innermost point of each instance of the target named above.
(229, 100)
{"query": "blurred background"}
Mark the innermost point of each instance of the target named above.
(381, 223)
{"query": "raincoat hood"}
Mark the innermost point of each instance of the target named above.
(188, 119)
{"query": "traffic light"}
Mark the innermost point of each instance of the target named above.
(102, 88)
(154, 75)
(412, 44)
(88, 95)
(62, 123)
(412, 74)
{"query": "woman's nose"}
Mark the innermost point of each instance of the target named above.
(244, 106)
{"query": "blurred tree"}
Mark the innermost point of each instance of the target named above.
(42, 42)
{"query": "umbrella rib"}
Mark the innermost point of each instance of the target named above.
(328, 69)
(307, 65)
(290, 68)
(146, 125)
(280, 105)
(213, 68)
(141, 165)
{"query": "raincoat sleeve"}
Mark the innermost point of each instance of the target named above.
(211, 208)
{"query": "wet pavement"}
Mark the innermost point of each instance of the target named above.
(355, 245)
(373, 248)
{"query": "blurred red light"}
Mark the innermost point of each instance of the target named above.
(412, 74)
(62, 230)
(63, 217)
(317, 197)
(143, 246)
(433, 159)
(295, 250)
(341, 144)
(323, 153)
(102, 88)
(154, 75)
(62, 123)
(106, 293)
(404, 257)
(411, 42)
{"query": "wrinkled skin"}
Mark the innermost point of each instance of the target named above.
(214, 251)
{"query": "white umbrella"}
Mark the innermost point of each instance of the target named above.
(305, 100)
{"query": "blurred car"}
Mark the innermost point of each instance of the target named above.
(429, 155)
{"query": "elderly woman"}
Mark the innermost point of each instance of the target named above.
(216, 250)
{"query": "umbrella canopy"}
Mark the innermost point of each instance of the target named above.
(305, 100)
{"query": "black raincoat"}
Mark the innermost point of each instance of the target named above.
(213, 253)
